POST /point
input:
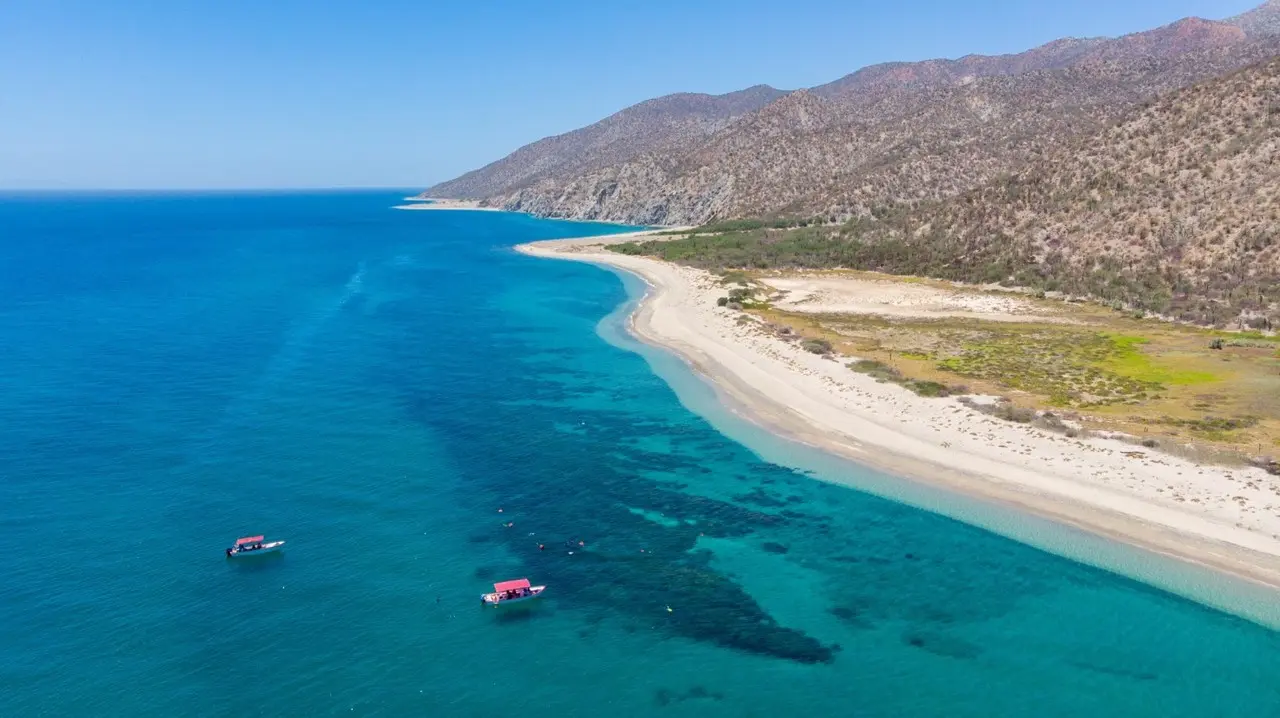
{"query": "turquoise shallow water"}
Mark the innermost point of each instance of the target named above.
(373, 385)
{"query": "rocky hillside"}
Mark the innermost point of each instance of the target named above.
(885, 136)
(666, 124)
(1175, 210)
(811, 156)
(1261, 21)
(1171, 41)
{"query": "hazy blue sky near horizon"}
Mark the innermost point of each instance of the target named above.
(391, 93)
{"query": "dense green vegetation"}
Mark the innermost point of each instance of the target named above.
(746, 225)
(827, 247)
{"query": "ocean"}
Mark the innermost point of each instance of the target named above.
(387, 391)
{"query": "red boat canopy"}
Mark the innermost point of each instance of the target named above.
(249, 539)
(511, 585)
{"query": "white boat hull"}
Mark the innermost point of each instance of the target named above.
(495, 599)
(271, 547)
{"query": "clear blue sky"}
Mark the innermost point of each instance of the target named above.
(284, 93)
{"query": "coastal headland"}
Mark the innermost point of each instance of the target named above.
(1223, 517)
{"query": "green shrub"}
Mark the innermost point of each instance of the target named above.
(1053, 422)
(929, 388)
(816, 346)
(878, 370)
(1016, 414)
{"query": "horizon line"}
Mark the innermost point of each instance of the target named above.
(161, 190)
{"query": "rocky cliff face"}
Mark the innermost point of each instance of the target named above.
(885, 136)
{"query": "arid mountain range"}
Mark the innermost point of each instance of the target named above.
(888, 136)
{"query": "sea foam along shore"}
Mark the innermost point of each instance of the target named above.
(1228, 519)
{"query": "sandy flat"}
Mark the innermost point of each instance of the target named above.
(1228, 519)
(828, 294)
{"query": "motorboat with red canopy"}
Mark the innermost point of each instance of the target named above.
(252, 546)
(511, 592)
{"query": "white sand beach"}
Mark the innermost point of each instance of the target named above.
(1224, 518)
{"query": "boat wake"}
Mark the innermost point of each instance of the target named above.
(244, 408)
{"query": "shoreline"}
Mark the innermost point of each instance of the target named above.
(806, 399)
(441, 205)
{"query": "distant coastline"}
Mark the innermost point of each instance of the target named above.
(428, 203)
(1097, 485)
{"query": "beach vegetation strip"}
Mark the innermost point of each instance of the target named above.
(1210, 394)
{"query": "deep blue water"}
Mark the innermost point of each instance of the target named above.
(373, 385)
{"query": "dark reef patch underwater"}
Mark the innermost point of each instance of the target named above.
(421, 411)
